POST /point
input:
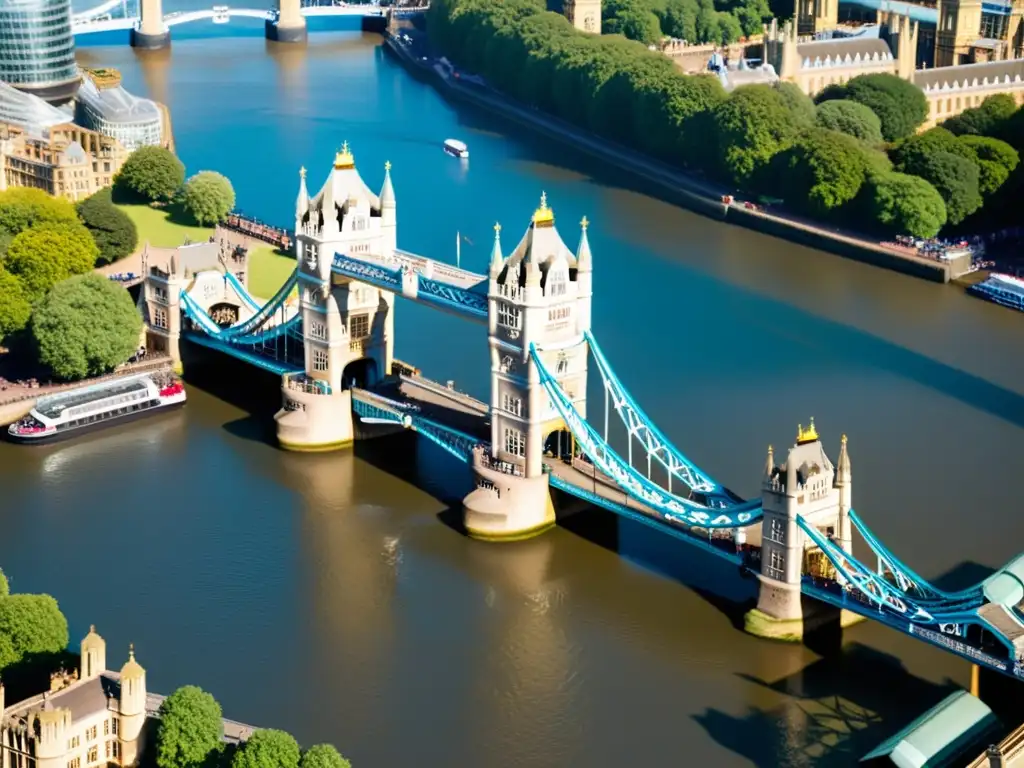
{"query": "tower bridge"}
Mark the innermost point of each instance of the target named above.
(149, 27)
(329, 334)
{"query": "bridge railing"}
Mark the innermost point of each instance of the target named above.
(487, 461)
(300, 382)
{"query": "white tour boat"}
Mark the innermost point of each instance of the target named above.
(456, 148)
(74, 412)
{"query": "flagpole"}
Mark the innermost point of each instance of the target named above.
(458, 250)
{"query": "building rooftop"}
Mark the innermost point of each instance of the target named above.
(83, 697)
(27, 111)
(964, 75)
(116, 104)
(958, 723)
(839, 49)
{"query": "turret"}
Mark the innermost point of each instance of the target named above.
(844, 483)
(387, 198)
(497, 260)
(133, 687)
(769, 466)
(93, 655)
(584, 278)
(302, 201)
(53, 726)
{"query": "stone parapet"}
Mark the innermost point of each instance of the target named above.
(312, 421)
(505, 505)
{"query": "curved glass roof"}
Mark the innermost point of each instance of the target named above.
(27, 111)
(116, 104)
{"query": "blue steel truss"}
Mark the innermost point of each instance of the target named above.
(376, 408)
(291, 327)
(371, 274)
(907, 579)
(266, 311)
(464, 300)
(684, 534)
(674, 508)
(640, 425)
(246, 297)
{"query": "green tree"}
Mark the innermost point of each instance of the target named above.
(15, 311)
(729, 28)
(708, 29)
(48, 253)
(996, 160)
(905, 205)
(822, 171)
(208, 197)
(268, 748)
(5, 587)
(85, 326)
(753, 124)
(112, 230)
(190, 728)
(679, 19)
(150, 173)
(24, 207)
(900, 105)
(323, 756)
(801, 106)
(631, 18)
(986, 119)
(851, 118)
(32, 624)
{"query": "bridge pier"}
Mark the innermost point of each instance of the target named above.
(289, 26)
(152, 32)
(312, 420)
(506, 506)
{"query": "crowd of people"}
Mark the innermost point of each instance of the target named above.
(124, 277)
(259, 230)
(938, 248)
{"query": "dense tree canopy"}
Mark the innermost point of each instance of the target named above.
(851, 118)
(900, 105)
(955, 178)
(48, 253)
(113, 232)
(150, 173)
(801, 106)
(15, 308)
(323, 756)
(986, 119)
(822, 171)
(190, 728)
(995, 159)
(5, 587)
(208, 198)
(24, 207)
(30, 624)
(268, 748)
(753, 124)
(85, 326)
(903, 204)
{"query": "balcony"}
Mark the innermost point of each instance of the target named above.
(300, 382)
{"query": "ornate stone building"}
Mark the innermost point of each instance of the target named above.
(815, 64)
(972, 31)
(67, 161)
(88, 718)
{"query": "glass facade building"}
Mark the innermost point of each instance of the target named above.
(37, 48)
(114, 112)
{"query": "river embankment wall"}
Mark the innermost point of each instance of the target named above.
(669, 184)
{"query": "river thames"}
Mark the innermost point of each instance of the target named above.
(326, 596)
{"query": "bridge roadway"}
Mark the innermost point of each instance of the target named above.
(456, 410)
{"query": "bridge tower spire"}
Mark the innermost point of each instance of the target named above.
(805, 486)
(538, 298)
(152, 32)
(287, 24)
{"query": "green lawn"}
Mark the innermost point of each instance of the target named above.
(268, 270)
(160, 227)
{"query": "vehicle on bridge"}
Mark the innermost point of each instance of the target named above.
(86, 409)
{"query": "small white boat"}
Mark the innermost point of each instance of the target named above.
(456, 148)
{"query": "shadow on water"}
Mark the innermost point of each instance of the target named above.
(832, 713)
(962, 576)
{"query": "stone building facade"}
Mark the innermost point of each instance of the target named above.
(68, 161)
(585, 15)
(91, 717)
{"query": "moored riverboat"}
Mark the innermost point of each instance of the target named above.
(1001, 289)
(74, 412)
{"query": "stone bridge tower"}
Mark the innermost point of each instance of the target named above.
(807, 486)
(348, 326)
(289, 25)
(539, 295)
(152, 32)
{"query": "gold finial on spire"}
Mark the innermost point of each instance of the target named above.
(131, 651)
(302, 172)
(844, 440)
(544, 216)
(387, 165)
(497, 228)
(344, 158)
(808, 435)
(584, 223)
